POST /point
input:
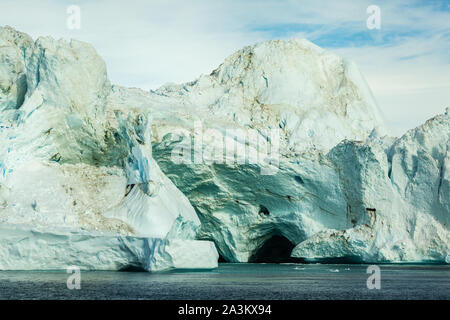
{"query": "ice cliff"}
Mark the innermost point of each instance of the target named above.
(401, 197)
(281, 146)
(78, 184)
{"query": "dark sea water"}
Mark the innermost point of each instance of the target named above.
(237, 281)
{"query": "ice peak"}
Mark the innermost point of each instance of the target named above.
(10, 37)
(264, 55)
(317, 97)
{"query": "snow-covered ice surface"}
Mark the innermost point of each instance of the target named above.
(76, 158)
(77, 164)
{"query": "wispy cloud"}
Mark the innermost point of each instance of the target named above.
(148, 43)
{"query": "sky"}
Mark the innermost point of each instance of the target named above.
(146, 44)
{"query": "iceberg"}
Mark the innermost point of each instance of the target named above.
(281, 149)
(343, 186)
(76, 164)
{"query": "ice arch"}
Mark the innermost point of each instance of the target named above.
(276, 249)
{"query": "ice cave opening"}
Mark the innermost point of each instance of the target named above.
(276, 249)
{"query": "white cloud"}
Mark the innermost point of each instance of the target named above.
(410, 90)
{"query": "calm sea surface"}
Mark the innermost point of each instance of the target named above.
(237, 281)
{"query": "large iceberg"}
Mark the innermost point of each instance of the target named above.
(369, 198)
(280, 150)
(78, 184)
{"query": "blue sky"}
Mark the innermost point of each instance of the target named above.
(148, 43)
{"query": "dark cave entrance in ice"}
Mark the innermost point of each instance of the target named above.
(277, 249)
